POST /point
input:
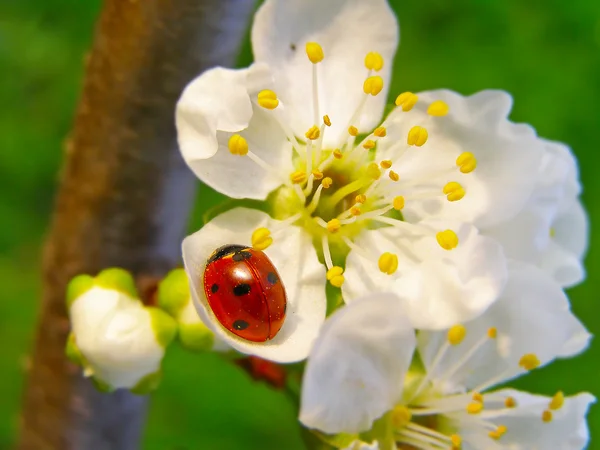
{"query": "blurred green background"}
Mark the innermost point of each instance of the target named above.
(546, 53)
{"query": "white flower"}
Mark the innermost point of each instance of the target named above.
(355, 376)
(303, 129)
(551, 231)
(119, 342)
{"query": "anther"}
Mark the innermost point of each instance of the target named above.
(261, 238)
(326, 120)
(401, 416)
(337, 154)
(268, 99)
(557, 401)
(398, 203)
(510, 402)
(388, 263)
(238, 145)
(385, 164)
(298, 177)
(447, 239)
(393, 176)
(373, 85)
(327, 182)
(373, 171)
(477, 397)
(454, 191)
(547, 416)
(313, 133)
(529, 361)
(355, 211)
(474, 408)
(352, 130)
(335, 277)
(380, 132)
(317, 174)
(360, 198)
(406, 101)
(314, 52)
(374, 61)
(369, 144)
(492, 332)
(498, 432)
(456, 440)
(417, 136)
(466, 162)
(456, 334)
(438, 108)
(333, 226)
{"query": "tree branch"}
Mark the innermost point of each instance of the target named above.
(124, 198)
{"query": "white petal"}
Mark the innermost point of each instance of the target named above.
(508, 156)
(525, 429)
(355, 370)
(562, 265)
(347, 30)
(531, 316)
(360, 445)
(440, 287)
(296, 261)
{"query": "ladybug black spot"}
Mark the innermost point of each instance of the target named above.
(272, 278)
(241, 289)
(240, 325)
(241, 256)
(214, 288)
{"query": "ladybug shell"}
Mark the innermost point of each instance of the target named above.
(245, 292)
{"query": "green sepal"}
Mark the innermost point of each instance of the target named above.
(340, 440)
(147, 384)
(314, 442)
(174, 292)
(196, 337)
(102, 386)
(117, 279)
(382, 431)
(163, 325)
(334, 298)
(78, 286)
(73, 353)
(232, 203)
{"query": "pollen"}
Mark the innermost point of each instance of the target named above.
(474, 408)
(317, 174)
(355, 211)
(447, 239)
(417, 136)
(298, 177)
(373, 171)
(334, 225)
(557, 401)
(385, 164)
(268, 99)
(398, 203)
(261, 238)
(314, 52)
(498, 432)
(456, 440)
(492, 332)
(388, 263)
(438, 108)
(454, 191)
(313, 133)
(547, 416)
(373, 85)
(466, 162)
(327, 182)
(326, 120)
(529, 361)
(352, 130)
(374, 61)
(406, 100)
(510, 402)
(335, 277)
(368, 145)
(337, 154)
(238, 145)
(380, 132)
(401, 416)
(360, 198)
(456, 334)
(477, 397)
(393, 176)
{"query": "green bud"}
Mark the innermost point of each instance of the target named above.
(117, 279)
(78, 286)
(147, 384)
(73, 353)
(174, 292)
(163, 325)
(196, 337)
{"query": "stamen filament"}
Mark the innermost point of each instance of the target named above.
(465, 358)
(315, 200)
(424, 430)
(347, 190)
(423, 437)
(315, 93)
(326, 252)
(430, 370)
(266, 166)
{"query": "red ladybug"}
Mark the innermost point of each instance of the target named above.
(245, 292)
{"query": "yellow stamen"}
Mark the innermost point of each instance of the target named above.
(547, 416)
(313, 133)
(498, 432)
(335, 277)
(474, 408)
(466, 162)
(373, 85)
(326, 183)
(529, 361)
(393, 176)
(456, 334)
(477, 397)
(360, 198)
(398, 203)
(298, 177)
(447, 239)
(380, 132)
(368, 145)
(373, 171)
(492, 332)
(401, 416)
(385, 164)
(557, 401)
(454, 191)
(268, 99)
(333, 226)
(261, 238)
(326, 120)
(510, 402)
(456, 440)
(355, 211)
(374, 61)
(438, 108)
(238, 145)
(317, 174)
(314, 52)
(388, 263)
(352, 130)
(406, 101)
(552, 232)
(337, 154)
(417, 136)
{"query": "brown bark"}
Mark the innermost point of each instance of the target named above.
(124, 197)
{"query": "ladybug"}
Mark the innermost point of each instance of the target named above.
(245, 292)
